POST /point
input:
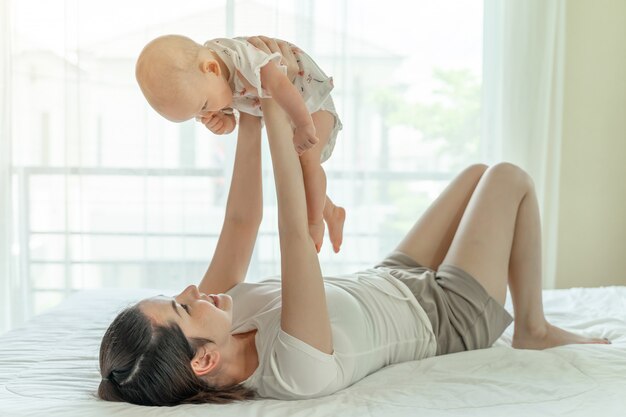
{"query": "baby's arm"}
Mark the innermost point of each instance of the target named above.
(286, 95)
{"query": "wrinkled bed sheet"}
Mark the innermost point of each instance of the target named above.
(49, 367)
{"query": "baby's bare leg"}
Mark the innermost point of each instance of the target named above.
(334, 216)
(315, 177)
(315, 188)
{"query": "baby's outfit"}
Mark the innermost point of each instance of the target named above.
(240, 56)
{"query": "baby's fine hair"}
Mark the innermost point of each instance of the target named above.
(164, 66)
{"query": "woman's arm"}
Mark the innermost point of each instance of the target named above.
(244, 211)
(304, 312)
(280, 85)
(287, 96)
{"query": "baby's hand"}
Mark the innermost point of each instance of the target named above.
(219, 122)
(304, 138)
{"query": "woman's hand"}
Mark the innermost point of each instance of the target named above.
(287, 50)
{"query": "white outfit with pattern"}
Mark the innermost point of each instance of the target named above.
(241, 57)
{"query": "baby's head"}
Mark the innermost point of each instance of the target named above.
(181, 79)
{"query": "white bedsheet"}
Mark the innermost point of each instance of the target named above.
(49, 367)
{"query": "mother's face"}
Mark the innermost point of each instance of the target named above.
(199, 315)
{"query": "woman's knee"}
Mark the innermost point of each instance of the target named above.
(511, 175)
(476, 170)
(472, 173)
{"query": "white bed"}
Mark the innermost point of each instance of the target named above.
(49, 367)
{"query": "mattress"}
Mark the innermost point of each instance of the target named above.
(49, 367)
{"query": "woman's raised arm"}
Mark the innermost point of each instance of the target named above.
(244, 211)
(304, 313)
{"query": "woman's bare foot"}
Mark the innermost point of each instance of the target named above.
(335, 217)
(550, 336)
(316, 230)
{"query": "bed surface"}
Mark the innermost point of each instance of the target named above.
(49, 367)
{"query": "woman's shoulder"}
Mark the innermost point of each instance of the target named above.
(254, 304)
(264, 286)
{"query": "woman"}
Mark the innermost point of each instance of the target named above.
(441, 291)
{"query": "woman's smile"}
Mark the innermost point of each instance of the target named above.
(215, 299)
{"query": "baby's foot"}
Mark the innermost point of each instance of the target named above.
(550, 336)
(335, 218)
(316, 230)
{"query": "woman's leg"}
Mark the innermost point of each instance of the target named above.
(498, 241)
(429, 239)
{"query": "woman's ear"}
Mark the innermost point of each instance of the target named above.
(205, 361)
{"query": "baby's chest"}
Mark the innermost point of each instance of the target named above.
(248, 104)
(244, 88)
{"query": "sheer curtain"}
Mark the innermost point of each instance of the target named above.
(523, 99)
(6, 282)
(106, 193)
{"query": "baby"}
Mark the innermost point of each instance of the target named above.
(182, 79)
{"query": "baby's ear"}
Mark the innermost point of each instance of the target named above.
(210, 65)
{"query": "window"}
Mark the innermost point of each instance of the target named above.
(109, 194)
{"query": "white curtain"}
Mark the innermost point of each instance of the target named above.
(106, 193)
(523, 60)
(6, 284)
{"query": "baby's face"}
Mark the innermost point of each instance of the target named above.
(198, 95)
(212, 94)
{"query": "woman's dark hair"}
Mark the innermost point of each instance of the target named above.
(149, 364)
